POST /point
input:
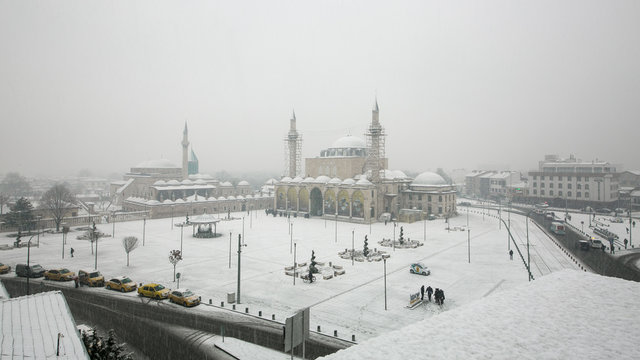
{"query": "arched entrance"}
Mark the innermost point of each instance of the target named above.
(357, 204)
(329, 202)
(344, 205)
(280, 199)
(304, 200)
(316, 202)
(292, 199)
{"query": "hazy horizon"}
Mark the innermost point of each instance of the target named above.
(106, 85)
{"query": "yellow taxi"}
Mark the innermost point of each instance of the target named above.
(59, 274)
(184, 297)
(4, 269)
(153, 290)
(122, 284)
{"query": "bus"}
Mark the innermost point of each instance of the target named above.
(557, 228)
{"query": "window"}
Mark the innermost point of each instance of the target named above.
(535, 192)
(560, 186)
(569, 193)
(569, 178)
(568, 186)
(579, 186)
(541, 177)
(578, 178)
(420, 197)
(586, 186)
(440, 198)
(542, 192)
(535, 184)
(586, 194)
(551, 185)
(579, 194)
(586, 178)
(559, 192)
(541, 185)
(559, 178)
(440, 210)
(550, 192)
(535, 177)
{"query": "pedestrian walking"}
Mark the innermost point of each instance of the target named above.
(625, 243)
(441, 297)
(72, 251)
(511, 254)
(75, 280)
(422, 292)
(429, 293)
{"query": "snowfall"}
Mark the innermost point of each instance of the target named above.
(491, 309)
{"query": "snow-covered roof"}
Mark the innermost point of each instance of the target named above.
(271, 181)
(635, 193)
(31, 324)
(348, 181)
(203, 219)
(124, 187)
(231, 197)
(244, 183)
(186, 182)
(308, 180)
(156, 164)
(549, 318)
(363, 182)
(428, 178)
(335, 181)
(173, 182)
(323, 179)
(159, 183)
(226, 184)
(297, 179)
(222, 198)
(634, 172)
(167, 201)
(349, 142)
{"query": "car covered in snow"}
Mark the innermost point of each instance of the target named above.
(59, 274)
(122, 284)
(184, 297)
(595, 243)
(155, 291)
(420, 269)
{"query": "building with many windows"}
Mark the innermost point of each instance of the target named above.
(574, 183)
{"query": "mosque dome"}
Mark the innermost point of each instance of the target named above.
(428, 179)
(243, 183)
(348, 181)
(323, 179)
(335, 181)
(155, 164)
(349, 142)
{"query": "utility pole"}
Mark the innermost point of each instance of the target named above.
(468, 237)
(509, 230)
(352, 245)
(239, 254)
(295, 265)
(291, 242)
(144, 228)
(230, 249)
(384, 259)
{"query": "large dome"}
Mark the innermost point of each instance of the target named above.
(428, 179)
(349, 142)
(155, 164)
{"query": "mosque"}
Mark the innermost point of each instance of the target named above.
(164, 189)
(349, 181)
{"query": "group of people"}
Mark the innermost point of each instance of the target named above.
(438, 294)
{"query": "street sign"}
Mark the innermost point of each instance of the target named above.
(296, 329)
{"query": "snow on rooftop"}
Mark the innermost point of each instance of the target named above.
(30, 327)
(558, 316)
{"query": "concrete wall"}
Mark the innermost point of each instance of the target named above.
(152, 326)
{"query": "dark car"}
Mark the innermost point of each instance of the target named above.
(603, 211)
(584, 245)
(23, 270)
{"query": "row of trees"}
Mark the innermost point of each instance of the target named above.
(57, 202)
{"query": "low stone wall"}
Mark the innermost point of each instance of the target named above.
(150, 325)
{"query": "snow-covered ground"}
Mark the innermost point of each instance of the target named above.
(352, 303)
(565, 315)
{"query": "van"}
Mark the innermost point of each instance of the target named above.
(33, 271)
(557, 228)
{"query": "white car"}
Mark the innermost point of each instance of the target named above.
(596, 244)
(420, 269)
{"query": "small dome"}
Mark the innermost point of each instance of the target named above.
(244, 183)
(155, 164)
(309, 180)
(349, 142)
(322, 179)
(335, 181)
(364, 182)
(167, 201)
(179, 201)
(428, 179)
(348, 181)
(159, 183)
(271, 181)
(226, 184)
(285, 179)
(398, 174)
(199, 182)
(211, 198)
(173, 182)
(296, 179)
(231, 197)
(186, 182)
(239, 197)
(222, 198)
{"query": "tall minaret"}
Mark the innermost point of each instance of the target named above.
(185, 152)
(375, 144)
(293, 149)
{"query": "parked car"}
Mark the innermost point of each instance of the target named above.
(153, 290)
(620, 211)
(617, 220)
(59, 274)
(584, 245)
(464, 203)
(122, 284)
(603, 211)
(184, 297)
(420, 269)
(93, 278)
(29, 271)
(4, 269)
(595, 243)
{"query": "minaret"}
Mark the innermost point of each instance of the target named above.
(185, 153)
(375, 144)
(293, 149)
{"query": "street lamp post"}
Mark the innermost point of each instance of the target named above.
(171, 216)
(468, 237)
(582, 223)
(291, 237)
(113, 231)
(230, 249)
(295, 265)
(528, 255)
(384, 259)
(144, 229)
(509, 222)
(393, 241)
(336, 224)
(352, 245)
(240, 245)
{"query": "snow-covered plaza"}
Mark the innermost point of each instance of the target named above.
(353, 303)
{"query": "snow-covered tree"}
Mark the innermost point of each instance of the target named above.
(129, 243)
(21, 215)
(59, 201)
(93, 234)
(401, 238)
(99, 348)
(174, 257)
(365, 248)
(312, 264)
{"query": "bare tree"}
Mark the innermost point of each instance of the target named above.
(129, 243)
(58, 200)
(174, 257)
(4, 199)
(93, 234)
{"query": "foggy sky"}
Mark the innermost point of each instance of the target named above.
(104, 85)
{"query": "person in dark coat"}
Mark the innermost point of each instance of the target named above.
(422, 292)
(429, 292)
(441, 297)
(436, 296)
(72, 251)
(511, 254)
